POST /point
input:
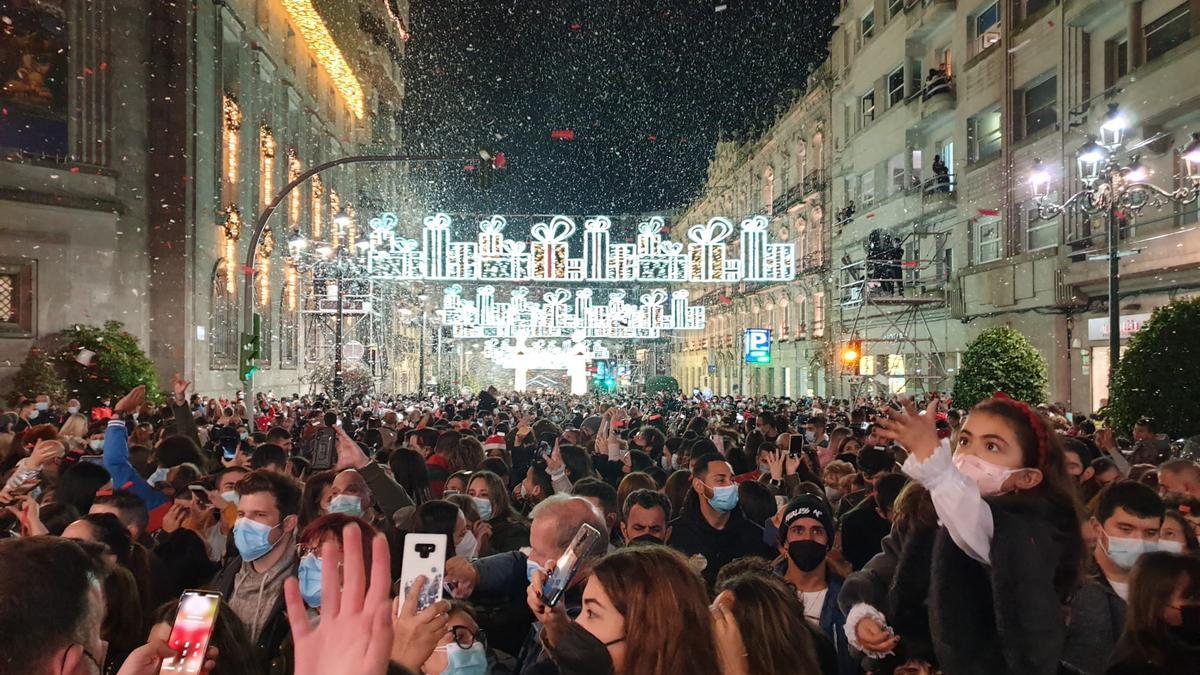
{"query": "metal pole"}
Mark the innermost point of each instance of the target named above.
(260, 224)
(421, 354)
(339, 382)
(1114, 295)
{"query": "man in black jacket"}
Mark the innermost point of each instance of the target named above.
(712, 531)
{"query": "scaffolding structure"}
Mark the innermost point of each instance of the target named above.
(886, 298)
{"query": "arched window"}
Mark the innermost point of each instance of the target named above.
(222, 320)
(818, 150)
(801, 244)
(816, 228)
(801, 320)
(801, 159)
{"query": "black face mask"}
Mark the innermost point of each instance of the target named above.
(807, 554)
(646, 540)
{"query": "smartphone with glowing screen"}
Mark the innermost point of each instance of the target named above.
(192, 630)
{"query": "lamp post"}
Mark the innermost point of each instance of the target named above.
(1115, 189)
(260, 224)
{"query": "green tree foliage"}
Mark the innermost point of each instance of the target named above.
(37, 375)
(1000, 359)
(663, 383)
(118, 366)
(1159, 375)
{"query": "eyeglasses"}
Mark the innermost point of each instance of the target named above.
(466, 638)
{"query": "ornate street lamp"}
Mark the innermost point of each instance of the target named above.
(1117, 191)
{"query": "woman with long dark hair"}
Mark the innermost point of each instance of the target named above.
(1162, 618)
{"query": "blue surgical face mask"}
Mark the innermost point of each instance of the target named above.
(724, 499)
(231, 496)
(252, 538)
(159, 476)
(764, 468)
(350, 505)
(309, 575)
(96, 444)
(459, 661)
(243, 435)
(1125, 552)
(530, 568)
(484, 506)
(42, 406)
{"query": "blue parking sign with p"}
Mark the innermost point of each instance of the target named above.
(758, 345)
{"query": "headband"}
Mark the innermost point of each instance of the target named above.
(1039, 430)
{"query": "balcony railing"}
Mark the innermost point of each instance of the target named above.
(814, 181)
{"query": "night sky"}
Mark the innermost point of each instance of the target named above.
(647, 87)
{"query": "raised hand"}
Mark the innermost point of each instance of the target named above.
(349, 455)
(131, 401)
(180, 386)
(355, 634)
(915, 433)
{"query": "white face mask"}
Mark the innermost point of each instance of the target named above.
(72, 409)
(468, 547)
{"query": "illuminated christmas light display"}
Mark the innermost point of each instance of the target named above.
(291, 286)
(233, 125)
(317, 211)
(562, 313)
(233, 229)
(267, 247)
(295, 199)
(326, 52)
(548, 256)
(547, 354)
(266, 166)
(523, 355)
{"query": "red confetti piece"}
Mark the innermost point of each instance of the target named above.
(88, 71)
(74, 169)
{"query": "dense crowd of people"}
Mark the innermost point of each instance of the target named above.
(744, 536)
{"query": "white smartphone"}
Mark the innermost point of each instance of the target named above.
(424, 555)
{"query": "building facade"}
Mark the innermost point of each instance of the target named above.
(144, 149)
(784, 175)
(939, 109)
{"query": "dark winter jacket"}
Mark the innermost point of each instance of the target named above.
(1095, 623)
(695, 538)
(1007, 618)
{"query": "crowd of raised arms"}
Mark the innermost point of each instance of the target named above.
(745, 536)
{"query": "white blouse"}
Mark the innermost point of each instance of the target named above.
(960, 507)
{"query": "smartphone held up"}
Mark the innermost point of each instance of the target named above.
(191, 632)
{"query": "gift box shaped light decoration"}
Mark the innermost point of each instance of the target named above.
(668, 263)
(550, 248)
(436, 239)
(595, 246)
(707, 250)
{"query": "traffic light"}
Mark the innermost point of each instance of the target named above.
(248, 351)
(852, 355)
